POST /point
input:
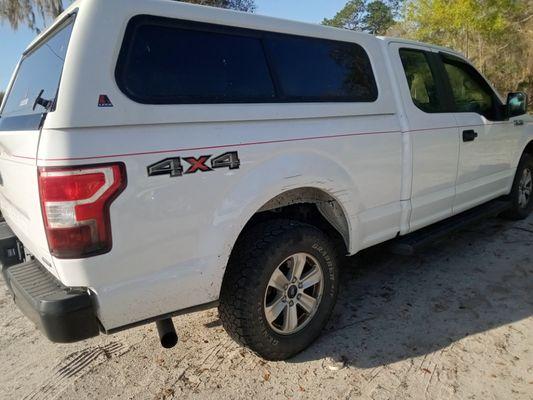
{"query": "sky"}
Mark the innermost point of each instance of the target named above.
(13, 43)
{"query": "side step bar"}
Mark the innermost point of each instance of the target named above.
(409, 244)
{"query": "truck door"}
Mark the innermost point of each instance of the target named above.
(433, 132)
(487, 141)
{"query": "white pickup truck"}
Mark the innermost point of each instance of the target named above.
(158, 158)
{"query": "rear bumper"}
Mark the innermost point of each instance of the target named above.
(63, 314)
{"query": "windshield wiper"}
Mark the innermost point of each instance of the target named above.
(46, 104)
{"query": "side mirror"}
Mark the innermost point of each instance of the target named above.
(516, 104)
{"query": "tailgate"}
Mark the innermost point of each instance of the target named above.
(31, 95)
(19, 194)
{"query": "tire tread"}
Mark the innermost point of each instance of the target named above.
(242, 273)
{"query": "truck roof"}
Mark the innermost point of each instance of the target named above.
(243, 18)
(224, 17)
(390, 39)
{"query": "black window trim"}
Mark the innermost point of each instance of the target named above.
(146, 19)
(436, 67)
(453, 59)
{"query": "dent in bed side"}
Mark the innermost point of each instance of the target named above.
(266, 182)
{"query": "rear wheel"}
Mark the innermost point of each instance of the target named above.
(280, 288)
(522, 192)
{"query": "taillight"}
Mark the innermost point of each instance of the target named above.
(75, 204)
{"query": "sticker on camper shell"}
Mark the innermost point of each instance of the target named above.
(103, 101)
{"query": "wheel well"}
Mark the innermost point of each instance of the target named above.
(529, 148)
(308, 205)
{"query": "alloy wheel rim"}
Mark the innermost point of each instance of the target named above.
(525, 188)
(293, 294)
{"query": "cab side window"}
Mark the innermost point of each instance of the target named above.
(470, 91)
(421, 80)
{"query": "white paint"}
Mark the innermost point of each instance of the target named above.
(391, 167)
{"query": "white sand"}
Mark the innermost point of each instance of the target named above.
(455, 322)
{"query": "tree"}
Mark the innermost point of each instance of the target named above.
(31, 12)
(374, 16)
(497, 35)
(378, 18)
(350, 17)
(26, 12)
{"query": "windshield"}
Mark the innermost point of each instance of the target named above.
(37, 81)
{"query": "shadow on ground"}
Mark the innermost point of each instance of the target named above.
(391, 308)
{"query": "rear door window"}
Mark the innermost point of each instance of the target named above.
(35, 87)
(421, 80)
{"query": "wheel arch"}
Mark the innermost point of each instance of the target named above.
(330, 211)
(282, 180)
(328, 207)
(529, 148)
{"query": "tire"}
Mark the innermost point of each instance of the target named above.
(522, 202)
(253, 284)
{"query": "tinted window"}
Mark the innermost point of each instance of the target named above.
(421, 80)
(470, 91)
(166, 61)
(173, 65)
(314, 69)
(40, 70)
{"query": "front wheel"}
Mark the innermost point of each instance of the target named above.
(522, 192)
(280, 288)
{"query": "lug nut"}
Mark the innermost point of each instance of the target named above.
(299, 296)
(291, 303)
(300, 285)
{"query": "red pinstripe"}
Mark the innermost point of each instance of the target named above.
(243, 144)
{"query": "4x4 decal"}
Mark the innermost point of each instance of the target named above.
(173, 166)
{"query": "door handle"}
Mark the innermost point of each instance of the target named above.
(469, 135)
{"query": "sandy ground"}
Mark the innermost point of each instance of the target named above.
(454, 322)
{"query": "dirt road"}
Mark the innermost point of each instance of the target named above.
(455, 322)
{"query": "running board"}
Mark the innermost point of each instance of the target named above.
(409, 244)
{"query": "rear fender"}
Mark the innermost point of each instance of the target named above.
(266, 181)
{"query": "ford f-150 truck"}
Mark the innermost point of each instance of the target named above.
(158, 158)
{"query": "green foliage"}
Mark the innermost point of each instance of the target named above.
(378, 18)
(445, 20)
(350, 17)
(374, 16)
(497, 35)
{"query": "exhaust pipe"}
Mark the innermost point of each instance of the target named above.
(167, 333)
